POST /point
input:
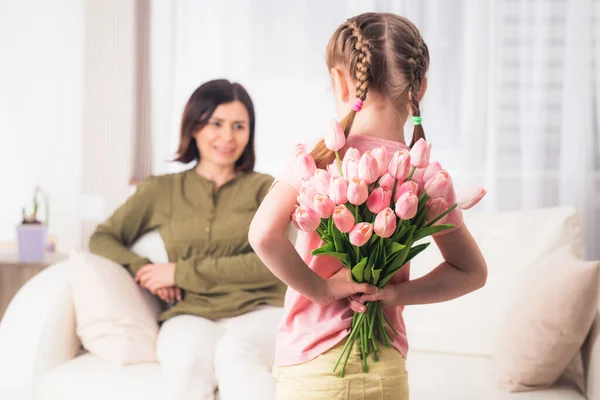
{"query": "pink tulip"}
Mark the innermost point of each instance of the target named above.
(293, 217)
(399, 166)
(300, 149)
(368, 169)
(385, 223)
(382, 158)
(335, 138)
(387, 180)
(438, 184)
(338, 190)
(470, 198)
(343, 219)
(351, 154)
(431, 170)
(306, 165)
(407, 205)
(334, 169)
(361, 233)
(351, 170)
(321, 181)
(307, 182)
(324, 206)
(435, 207)
(306, 197)
(379, 199)
(358, 192)
(419, 154)
(307, 219)
(408, 186)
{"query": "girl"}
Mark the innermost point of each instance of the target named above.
(381, 60)
(226, 303)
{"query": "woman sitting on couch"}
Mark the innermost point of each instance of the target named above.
(220, 329)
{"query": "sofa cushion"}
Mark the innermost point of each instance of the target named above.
(460, 377)
(431, 376)
(91, 378)
(548, 321)
(115, 317)
(511, 242)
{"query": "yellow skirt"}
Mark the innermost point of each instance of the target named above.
(387, 378)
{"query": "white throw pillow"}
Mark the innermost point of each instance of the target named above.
(511, 242)
(116, 319)
(547, 322)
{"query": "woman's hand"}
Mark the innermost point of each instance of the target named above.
(388, 296)
(156, 276)
(169, 295)
(341, 285)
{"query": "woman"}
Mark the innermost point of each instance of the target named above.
(226, 303)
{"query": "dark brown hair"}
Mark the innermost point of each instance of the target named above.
(198, 110)
(383, 52)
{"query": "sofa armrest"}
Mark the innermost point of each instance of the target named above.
(37, 332)
(591, 360)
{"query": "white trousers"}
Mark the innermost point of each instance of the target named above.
(236, 355)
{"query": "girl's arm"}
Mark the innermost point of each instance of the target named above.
(463, 271)
(268, 238)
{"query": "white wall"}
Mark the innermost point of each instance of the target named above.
(41, 111)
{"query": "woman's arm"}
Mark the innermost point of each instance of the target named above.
(268, 238)
(463, 271)
(113, 238)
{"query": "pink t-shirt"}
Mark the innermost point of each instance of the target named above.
(308, 329)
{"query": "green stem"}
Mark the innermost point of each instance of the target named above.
(412, 171)
(442, 215)
(388, 320)
(375, 350)
(339, 163)
(352, 336)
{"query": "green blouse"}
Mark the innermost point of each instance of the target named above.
(205, 235)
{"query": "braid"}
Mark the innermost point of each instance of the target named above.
(360, 59)
(420, 65)
(363, 61)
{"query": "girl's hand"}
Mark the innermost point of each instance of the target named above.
(341, 285)
(156, 276)
(388, 297)
(169, 295)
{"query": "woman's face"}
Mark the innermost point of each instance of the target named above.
(223, 140)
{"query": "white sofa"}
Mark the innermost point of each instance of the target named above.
(41, 357)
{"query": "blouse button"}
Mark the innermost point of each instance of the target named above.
(207, 229)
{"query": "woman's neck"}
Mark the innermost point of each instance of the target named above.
(215, 173)
(379, 118)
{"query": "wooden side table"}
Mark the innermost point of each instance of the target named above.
(14, 274)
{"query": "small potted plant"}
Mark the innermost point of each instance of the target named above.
(32, 233)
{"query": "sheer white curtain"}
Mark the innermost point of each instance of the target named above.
(511, 105)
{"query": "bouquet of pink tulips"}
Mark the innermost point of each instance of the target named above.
(369, 213)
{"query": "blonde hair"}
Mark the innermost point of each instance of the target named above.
(383, 52)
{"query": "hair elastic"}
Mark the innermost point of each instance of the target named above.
(416, 120)
(358, 105)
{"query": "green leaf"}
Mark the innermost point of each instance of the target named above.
(358, 270)
(404, 227)
(375, 275)
(372, 240)
(430, 230)
(367, 274)
(404, 238)
(338, 240)
(416, 250)
(328, 248)
(393, 248)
